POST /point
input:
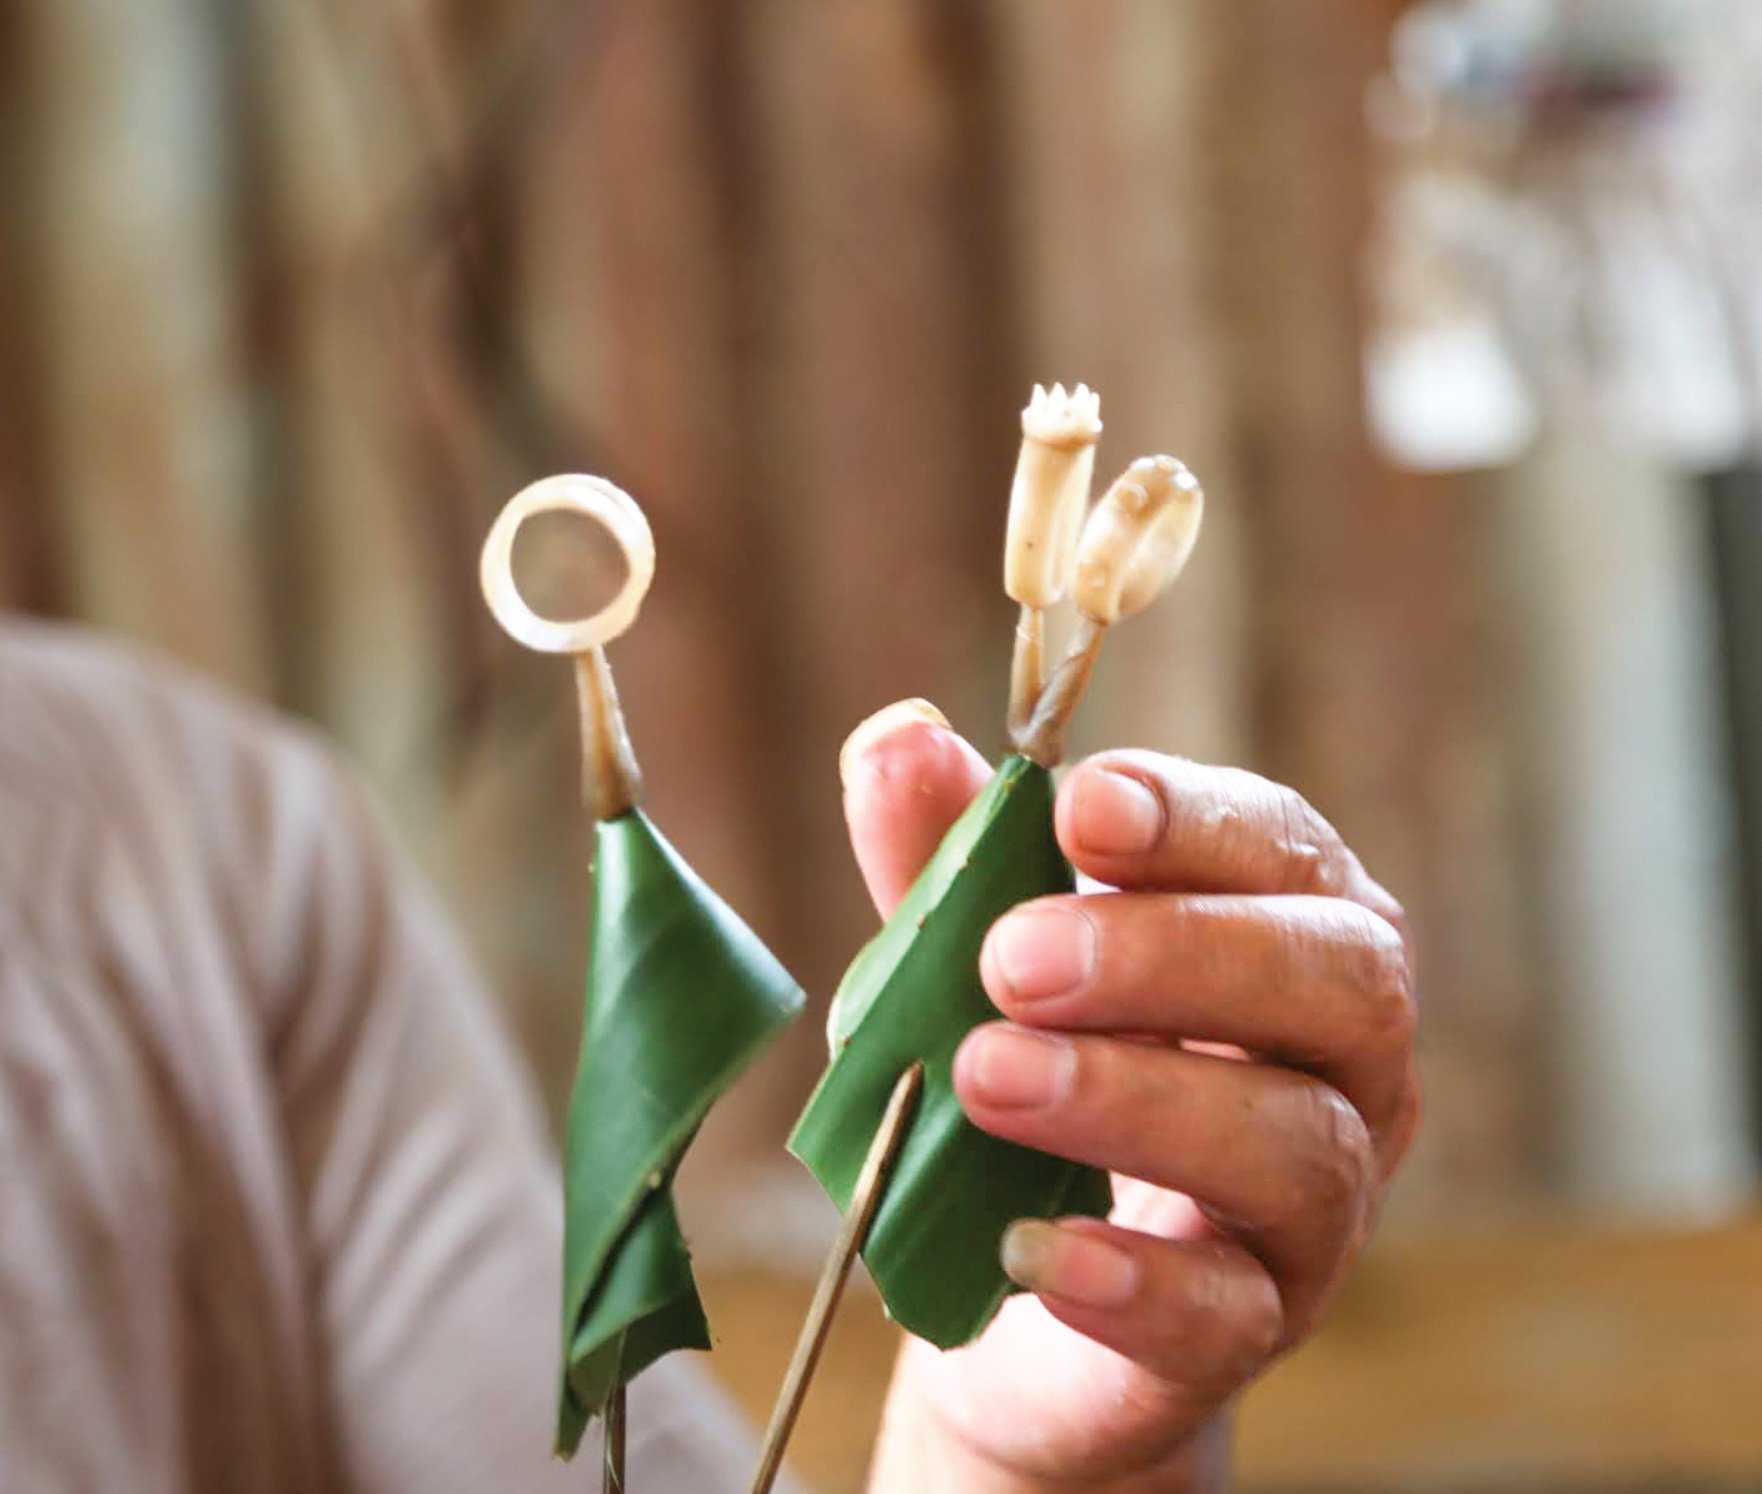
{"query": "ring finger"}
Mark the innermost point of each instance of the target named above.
(1277, 1159)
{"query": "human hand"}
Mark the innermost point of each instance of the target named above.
(1231, 1034)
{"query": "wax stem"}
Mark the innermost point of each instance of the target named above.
(1027, 668)
(1042, 739)
(611, 781)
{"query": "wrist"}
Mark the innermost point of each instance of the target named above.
(917, 1452)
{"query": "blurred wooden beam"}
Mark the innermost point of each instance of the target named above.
(1110, 216)
(893, 391)
(30, 579)
(1733, 501)
(1370, 690)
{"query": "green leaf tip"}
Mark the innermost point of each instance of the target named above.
(912, 994)
(681, 997)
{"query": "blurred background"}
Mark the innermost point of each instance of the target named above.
(1455, 308)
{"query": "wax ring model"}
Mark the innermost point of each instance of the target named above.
(592, 498)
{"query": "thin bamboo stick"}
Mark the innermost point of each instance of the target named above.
(866, 1198)
(616, 1412)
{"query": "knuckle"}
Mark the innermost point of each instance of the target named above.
(1201, 1297)
(1263, 1322)
(1225, 1314)
(1384, 904)
(1307, 844)
(1403, 1126)
(1385, 982)
(1337, 1165)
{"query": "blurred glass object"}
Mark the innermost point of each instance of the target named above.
(1565, 292)
(1570, 217)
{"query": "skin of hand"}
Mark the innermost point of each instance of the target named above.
(1230, 1033)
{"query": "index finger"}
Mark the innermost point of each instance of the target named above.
(907, 777)
(1150, 822)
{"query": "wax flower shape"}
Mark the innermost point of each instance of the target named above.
(681, 997)
(1137, 540)
(1050, 492)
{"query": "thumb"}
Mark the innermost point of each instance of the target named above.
(907, 777)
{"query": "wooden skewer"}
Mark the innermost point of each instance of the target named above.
(613, 1482)
(866, 1198)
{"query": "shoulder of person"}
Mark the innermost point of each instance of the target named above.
(109, 740)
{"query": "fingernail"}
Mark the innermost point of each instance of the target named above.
(1116, 815)
(1015, 1069)
(884, 723)
(1041, 951)
(1042, 1257)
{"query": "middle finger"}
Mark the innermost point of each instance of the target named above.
(1317, 982)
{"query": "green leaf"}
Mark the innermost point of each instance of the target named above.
(681, 997)
(914, 993)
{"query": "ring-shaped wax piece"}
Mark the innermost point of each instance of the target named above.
(593, 498)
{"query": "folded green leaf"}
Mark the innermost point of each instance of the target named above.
(681, 996)
(914, 993)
